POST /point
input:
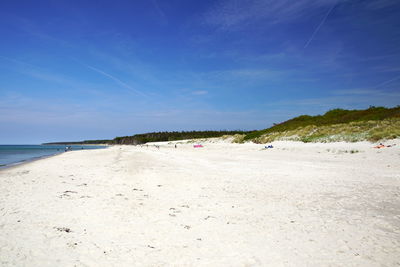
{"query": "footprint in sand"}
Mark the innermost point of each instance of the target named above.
(135, 189)
(63, 229)
(67, 194)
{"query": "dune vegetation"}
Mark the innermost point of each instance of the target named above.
(372, 124)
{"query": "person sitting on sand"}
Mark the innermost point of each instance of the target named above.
(380, 146)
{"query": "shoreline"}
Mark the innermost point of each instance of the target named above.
(222, 204)
(15, 164)
(71, 144)
(18, 163)
(30, 160)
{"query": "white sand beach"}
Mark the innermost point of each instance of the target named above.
(296, 204)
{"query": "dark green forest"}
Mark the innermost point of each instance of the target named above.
(154, 137)
(170, 136)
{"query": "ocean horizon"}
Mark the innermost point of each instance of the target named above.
(16, 154)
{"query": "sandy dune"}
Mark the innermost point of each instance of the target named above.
(221, 205)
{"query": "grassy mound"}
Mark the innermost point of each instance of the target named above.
(371, 124)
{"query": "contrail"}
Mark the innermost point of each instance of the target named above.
(319, 26)
(387, 82)
(160, 12)
(118, 81)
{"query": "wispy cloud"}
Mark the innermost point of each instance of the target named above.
(39, 73)
(350, 100)
(118, 81)
(366, 92)
(49, 78)
(233, 15)
(242, 76)
(200, 92)
(388, 82)
(18, 62)
(32, 28)
(377, 4)
(223, 81)
(229, 15)
(387, 69)
(19, 108)
(389, 55)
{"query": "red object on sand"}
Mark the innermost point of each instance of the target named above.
(197, 146)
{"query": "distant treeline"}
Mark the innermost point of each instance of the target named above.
(153, 137)
(169, 136)
(86, 142)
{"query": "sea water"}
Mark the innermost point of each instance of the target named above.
(14, 154)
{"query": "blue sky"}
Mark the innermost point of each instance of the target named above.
(75, 70)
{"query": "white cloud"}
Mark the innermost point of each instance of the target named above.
(200, 92)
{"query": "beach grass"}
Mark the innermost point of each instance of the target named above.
(372, 124)
(349, 132)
